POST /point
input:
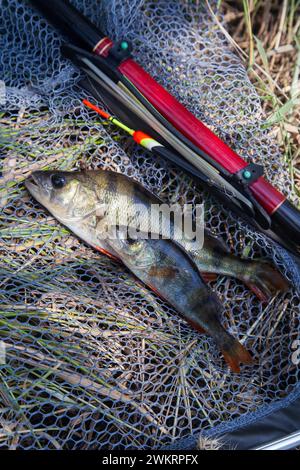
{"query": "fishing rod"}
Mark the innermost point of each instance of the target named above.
(159, 150)
(128, 90)
(102, 87)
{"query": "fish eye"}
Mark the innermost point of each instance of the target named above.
(58, 181)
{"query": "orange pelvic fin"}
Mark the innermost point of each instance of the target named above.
(195, 326)
(260, 293)
(107, 253)
(207, 277)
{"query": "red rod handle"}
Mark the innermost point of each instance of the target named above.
(268, 196)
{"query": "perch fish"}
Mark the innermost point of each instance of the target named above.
(86, 202)
(84, 190)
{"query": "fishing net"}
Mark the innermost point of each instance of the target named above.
(93, 359)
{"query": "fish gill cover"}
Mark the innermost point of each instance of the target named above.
(91, 358)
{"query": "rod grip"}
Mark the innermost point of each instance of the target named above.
(286, 224)
(67, 19)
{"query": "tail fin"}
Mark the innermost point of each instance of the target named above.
(264, 280)
(235, 354)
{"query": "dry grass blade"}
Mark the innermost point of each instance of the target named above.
(275, 69)
(80, 381)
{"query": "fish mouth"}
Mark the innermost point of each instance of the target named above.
(33, 185)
